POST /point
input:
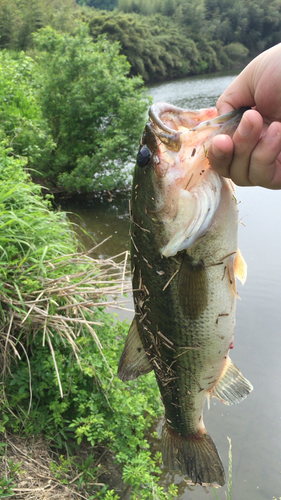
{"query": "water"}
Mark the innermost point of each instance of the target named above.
(254, 426)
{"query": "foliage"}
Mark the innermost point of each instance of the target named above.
(30, 231)
(19, 19)
(97, 409)
(64, 389)
(95, 112)
(173, 48)
(160, 30)
(21, 120)
(155, 54)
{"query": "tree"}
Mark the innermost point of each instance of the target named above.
(21, 122)
(95, 111)
(162, 52)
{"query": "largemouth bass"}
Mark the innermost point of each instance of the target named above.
(185, 261)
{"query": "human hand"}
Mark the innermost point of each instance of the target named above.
(253, 156)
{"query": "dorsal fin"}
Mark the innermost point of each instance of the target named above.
(134, 361)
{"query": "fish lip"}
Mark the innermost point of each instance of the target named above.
(226, 123)
(167, 135)
(156, 110)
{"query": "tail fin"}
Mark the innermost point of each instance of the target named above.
(194, 456)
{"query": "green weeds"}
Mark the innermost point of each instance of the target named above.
(61, 351)
(8, 482)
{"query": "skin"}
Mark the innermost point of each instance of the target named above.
(253, 156)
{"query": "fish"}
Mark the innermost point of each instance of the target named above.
(184, 263)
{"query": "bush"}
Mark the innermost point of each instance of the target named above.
(59, 349)
(21, 120)
(95, 112)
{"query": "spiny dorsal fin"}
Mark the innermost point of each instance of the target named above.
(192, 287)
(134, 361)
(231, 387)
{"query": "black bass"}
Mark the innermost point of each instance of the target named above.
(185, 261)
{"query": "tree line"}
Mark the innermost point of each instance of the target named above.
(160, 38)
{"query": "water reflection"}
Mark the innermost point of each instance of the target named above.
(101, 218)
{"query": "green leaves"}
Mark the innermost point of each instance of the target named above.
(95, 112)
(21, 120)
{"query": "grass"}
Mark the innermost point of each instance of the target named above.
(59, 352)
(228, 494)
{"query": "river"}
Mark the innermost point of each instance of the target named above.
(254, 426)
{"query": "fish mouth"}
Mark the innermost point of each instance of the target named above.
(187, 190)
(170, 122)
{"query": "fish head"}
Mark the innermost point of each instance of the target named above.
(174, 185)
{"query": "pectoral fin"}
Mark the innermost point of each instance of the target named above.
(237, 268)
(240, 267)
(231, 387)
(134, 361)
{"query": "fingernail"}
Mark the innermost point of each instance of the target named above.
(245, 128)
(218, 153)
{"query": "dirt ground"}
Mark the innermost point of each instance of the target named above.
(40, 475)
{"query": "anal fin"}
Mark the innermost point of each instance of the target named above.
(231, 387)
(134, 361)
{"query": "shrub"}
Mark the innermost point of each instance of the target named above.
(21, 120)
(95, 112)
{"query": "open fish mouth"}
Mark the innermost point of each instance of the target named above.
(188, 189)
(171, 122)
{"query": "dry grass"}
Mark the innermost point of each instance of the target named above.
(72, 287)
(37, 479)
(65, 304)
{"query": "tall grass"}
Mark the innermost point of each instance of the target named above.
(59, 349)
(45, 285)
(228, 494)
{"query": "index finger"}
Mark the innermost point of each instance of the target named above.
(239, 93)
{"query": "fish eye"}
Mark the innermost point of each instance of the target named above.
(143, 157)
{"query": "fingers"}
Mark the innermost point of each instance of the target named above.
(245, 140)
(251, 158)
(240, 93)
(220, 154)
(231, 158)
(265, 165)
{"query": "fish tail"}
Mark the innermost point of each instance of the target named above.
(195, 456)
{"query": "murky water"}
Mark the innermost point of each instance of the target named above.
(254, 426)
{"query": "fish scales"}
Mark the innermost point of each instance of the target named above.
(184, 259)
